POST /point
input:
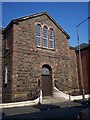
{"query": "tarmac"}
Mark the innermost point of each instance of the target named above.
(61, 110)
(37, 108)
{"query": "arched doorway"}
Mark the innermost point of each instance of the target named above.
(46, 80)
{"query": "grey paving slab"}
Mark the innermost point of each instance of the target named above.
(19, 110)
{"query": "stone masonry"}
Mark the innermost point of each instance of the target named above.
(26, 60)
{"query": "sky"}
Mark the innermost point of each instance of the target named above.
(67, 14)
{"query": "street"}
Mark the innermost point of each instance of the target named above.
(61, 111)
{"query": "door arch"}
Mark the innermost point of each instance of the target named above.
(46, 80)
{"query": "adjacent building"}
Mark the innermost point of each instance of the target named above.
(36, 54)
(85, 59)
(0, 64)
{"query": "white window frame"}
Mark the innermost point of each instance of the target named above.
(45, 39)
(40, 37)
(51, 40)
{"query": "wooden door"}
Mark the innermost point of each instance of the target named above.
(46, 85)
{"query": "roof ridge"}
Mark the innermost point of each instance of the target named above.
(28, 16)
(35, 15)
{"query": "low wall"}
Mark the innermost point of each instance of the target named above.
(24, 103)
(58, 93)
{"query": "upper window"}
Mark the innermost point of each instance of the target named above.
(6, 43)
(45, 37)
(51, 38)
(38, 35)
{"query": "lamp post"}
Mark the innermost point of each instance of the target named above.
(80, 61)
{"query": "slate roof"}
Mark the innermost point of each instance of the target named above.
(82, 46)
(36, 15)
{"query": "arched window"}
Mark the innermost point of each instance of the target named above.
(45, 71)
(51, 38)
(42, 39)
(45, 36)
(38, 35)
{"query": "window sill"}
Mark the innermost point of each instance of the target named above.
(46, 48)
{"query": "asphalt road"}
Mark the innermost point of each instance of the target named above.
(69, 113)
(61, 111)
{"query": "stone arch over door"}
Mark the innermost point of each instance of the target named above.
(46, 78)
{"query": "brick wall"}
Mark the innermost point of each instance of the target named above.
(85, 53)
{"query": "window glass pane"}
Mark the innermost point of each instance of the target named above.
(38, 40)
(45, 42)
(38, 30)
(45, 35)
(51, 38)
(6, 74)
(51, 34)
(38, 35)
(45, 71)
(45, 32)
(51, 44)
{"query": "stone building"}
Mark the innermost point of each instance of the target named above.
(36, 54)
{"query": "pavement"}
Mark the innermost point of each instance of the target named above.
(38, 108)
(66, 109)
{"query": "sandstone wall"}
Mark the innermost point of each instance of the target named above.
(27, 60)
